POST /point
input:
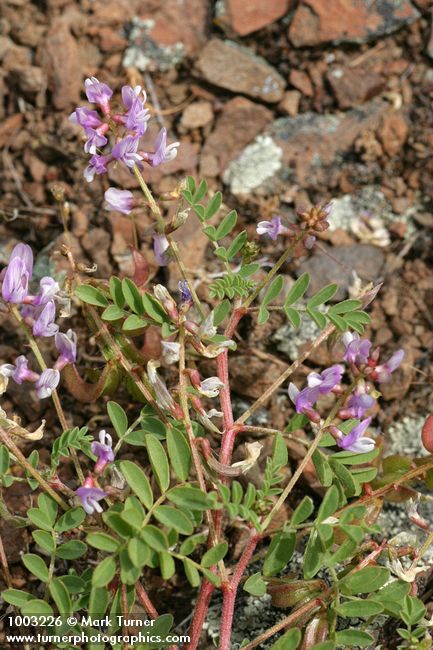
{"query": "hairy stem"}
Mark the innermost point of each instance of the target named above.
(309, 608)
(285, 375)
(30, 469)
(230, 590)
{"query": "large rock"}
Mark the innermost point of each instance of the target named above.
(165, 32)
(348, 21)
(353, 86)
(246, 17)
(338, 267)
(60, 59)
(241, 120)
(237, 68)
(302, 150)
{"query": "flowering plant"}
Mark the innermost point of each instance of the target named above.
(172, 511)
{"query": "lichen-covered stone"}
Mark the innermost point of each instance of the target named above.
(256, 164)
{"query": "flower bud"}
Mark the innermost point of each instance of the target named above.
(427, 434)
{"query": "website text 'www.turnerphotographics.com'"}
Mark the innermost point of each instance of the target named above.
(50, 632)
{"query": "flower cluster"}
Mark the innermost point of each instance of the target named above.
(127, 125)
(38, 311)
(365, 368)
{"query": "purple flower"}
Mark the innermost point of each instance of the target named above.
(103, 450)
(359, 403)
(160, 249)
(273, 228)
(95, 140)
(137, 116)
(94, 129)
(97, 165)
(357, 349)
(309, 242)
(66, 345)
(354, 440)
(327, 379)
(86, 118)
(382, 373)
(98, 93)
(48, 288)
(47, 382)
(126, 150)
(318, 384)
(162, 153)
(24, 253)
(15, 282)
(44, 324)
(17, 274)
(20, 371)
(120, 200)
(185, 293)
(89, 497)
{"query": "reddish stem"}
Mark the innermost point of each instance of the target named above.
(292, 618)
(230, 590)
(203, 600)
(145, 600)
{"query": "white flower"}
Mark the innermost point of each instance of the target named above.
(210, 387)
(170, 351)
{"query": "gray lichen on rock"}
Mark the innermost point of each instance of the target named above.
(144, 53)
(257, 163)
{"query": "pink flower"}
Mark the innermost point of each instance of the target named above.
(160, 249)
(17, 274)
(47, 383)
(66, 345)
(44, 324)
(120, 200)
(162, 153)
(98, 93)
(136, 116)
(103, 450)
(89, 496)
(382, 373)
(97, 165)
(272, 228)
(357, 349)
(126, 151)
(354, 440)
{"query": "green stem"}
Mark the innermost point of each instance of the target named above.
(54, 395)
(284, 257)
(156, 212)
(183, 398)
(307, 457)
